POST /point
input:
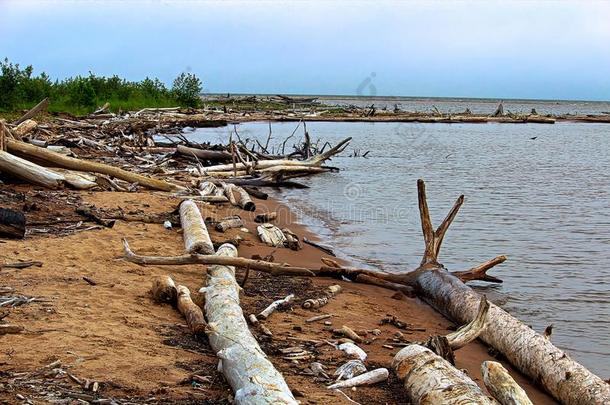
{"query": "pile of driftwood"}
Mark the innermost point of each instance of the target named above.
(131, 151)
(426, 368)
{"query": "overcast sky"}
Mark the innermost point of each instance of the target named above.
(518, 49)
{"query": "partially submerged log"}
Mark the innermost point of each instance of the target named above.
(195, 234)
(530, 352)
(430, 379)
(502, 386)
(57, 159)
(243, 363)
(12, 223)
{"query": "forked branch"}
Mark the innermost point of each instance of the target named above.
(480, 272)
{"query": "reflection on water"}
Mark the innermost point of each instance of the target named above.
(543, 202)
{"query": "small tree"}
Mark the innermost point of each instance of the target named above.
(186, 89)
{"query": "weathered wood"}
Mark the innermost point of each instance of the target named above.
(275, 305)
(271, 235)
(292, 240)
(472, 329)
(30, 151)
(369, 378)
(204, 154)
(164, 290)
(195, 234)
(530, 352)
(238, 196)
(329, 292)
(34, 111)
(25, 128)
(30, 172)
(229, 223)
(430, 379)
(243, 363)
(502, 386)
(266, 217)
(191, 312)
(12, 223)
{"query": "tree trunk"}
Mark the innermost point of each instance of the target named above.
(194, 231)
(245, 366)
(430, 379)
(31, 151)
(203, 154)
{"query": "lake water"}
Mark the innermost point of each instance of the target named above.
(545, 203)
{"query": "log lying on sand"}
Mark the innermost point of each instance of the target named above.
(238, 197)
(502, 386)
(243, 363)
(57, 159)
(195, 234)
(165, 290)
(271, 235)
(530, 352)
(30, 172)
(12, 223)
(430, 379)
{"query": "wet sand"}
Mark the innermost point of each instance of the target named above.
(114, 333)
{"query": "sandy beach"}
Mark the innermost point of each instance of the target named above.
(137, 350)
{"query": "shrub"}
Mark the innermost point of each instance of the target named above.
(187, 88)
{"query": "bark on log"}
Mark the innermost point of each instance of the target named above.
(194, 231)
(502, 386)
(238, 197)
(25, 128)
(12, 223)
(30, 151)
(430, 379)
(164, 290)
(243, 363)
(530, 352)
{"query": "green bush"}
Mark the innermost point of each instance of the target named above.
(186, 89)
(80, 95)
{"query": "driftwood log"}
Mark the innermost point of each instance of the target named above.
(243, 363)
(195, 234)
(430, 379)
(28, 151)
(502, 386)
(203, 154)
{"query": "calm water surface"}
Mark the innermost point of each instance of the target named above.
(545, 203)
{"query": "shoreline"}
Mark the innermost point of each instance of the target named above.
(113, 332)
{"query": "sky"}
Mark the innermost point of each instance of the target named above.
(490, 49)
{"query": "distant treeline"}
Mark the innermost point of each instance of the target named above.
(20, 89)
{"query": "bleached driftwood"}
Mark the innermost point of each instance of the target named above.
(25, 128)
(271, 235)
(30, 172)
(266, 164)
(292, 240)
(204, 154)
(275, 305)
(430, 379)
(238, 196)
(57, 159)
(353, 350)
(329, 292)
(369, 378)
(349, 369)
(229, 222)
(243, 363)
(530, 352)
(472, 329)
(34, 111)
(194, 231)
(502, 386)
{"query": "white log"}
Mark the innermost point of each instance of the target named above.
(430, 379)
(471, 330)
(352, 350)
(243, 363)
(275, 305)
(194, 231)
(369, 378)
(526, 349)
(271, 235)
(238, 197)
(502, 386)
(30, 172)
